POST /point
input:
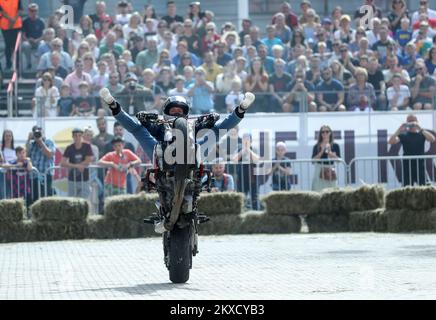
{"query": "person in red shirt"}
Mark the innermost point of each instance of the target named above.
(120, 162)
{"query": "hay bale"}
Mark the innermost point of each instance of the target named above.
(10, 231)
(291, 202)
(345, 200)
(364, 221)
(134, 207)
(365, 198)
(221, 224)
(334, 201)
(405, 220)
(412, 198)
(98, 227)
(221, 203)
(267, 223)
(55, 230)
(328, 223)
(13, 210)
(60, 210)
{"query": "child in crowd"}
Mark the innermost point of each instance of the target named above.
(179, 90)
(235, 96)
(84, 104)
(65, 102)
(101, 79)
(404, 34)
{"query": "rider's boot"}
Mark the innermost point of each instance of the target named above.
(247, 101)
(110, 100)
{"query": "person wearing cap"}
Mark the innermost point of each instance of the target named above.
(84, 105)
(120, 162)
(33, 27)
(196, 15)
(173, 107)
(138, 46)
(123, 15)
(77, 157)
(41, 151)
(135, 96)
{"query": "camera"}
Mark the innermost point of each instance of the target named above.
(132, 85)
(37, 134)
(409, 126)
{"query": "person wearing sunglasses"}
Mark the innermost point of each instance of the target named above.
(397, 13)
(422, 88)
(324, 150)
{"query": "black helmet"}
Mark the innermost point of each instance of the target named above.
(176, 101)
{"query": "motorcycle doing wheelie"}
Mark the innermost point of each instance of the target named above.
(178, 176)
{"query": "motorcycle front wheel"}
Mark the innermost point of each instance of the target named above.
(180, 254)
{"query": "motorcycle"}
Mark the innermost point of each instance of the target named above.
(179, 176)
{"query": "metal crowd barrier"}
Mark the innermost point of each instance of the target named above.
(263, 177)
(93, 183)
(393, 172)
(252, 179)
(19, 183)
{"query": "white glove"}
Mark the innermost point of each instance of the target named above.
(248, 101)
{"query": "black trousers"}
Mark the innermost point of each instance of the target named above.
(39, 188)
(413, 172)
(10, 37)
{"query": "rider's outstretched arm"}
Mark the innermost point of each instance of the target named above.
(232, 119)
(131, 124)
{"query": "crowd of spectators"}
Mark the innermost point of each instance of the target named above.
(300, 59)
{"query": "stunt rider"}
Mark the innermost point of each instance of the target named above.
(174, 106)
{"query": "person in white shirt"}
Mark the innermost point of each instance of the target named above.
(123, 17)
(7, 147)
(423, 8)
(101, 79)
(235, 96)
(46, 98)
(398, 95)
(179, 90)
(134, 26)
